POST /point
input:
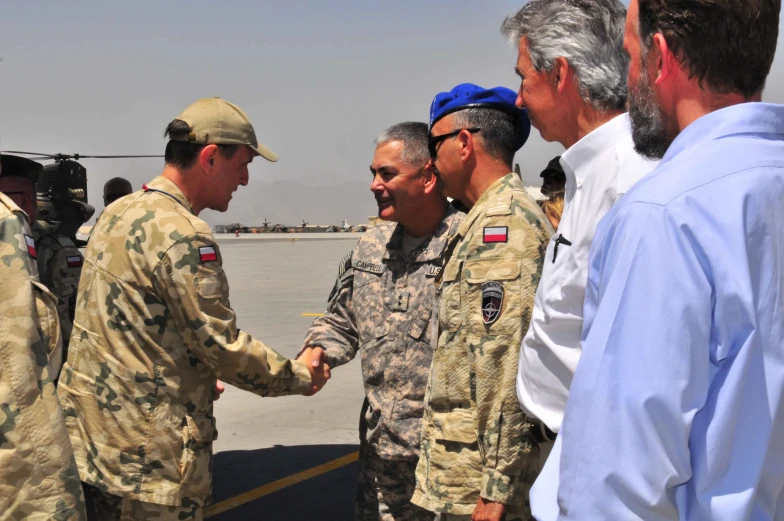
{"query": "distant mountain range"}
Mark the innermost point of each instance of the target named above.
(289, 202)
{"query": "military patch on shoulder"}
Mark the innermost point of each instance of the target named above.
(369, 267)
(74, 261)
(31, 246)
(492, 301)
(433, 271)
(494, 234)
(207, 254)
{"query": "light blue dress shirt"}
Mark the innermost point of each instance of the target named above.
(676, 410)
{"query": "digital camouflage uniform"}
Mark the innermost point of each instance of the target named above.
(153, 331)
(381, 306)
(475, 438)
(38, 476)
(59, 267)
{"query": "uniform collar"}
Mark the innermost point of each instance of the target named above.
(433, 247)
(579, 159)
(507, 183)
(165, 185)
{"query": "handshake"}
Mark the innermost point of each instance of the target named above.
(315, 360)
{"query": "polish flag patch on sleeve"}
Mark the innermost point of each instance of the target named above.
(74, 261)
(31, 246)
(496, 234)
(207, 254)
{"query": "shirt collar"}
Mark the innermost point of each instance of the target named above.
(510, 180)
(430, 249)
(579, 159)
(165, 185)
(744, 118)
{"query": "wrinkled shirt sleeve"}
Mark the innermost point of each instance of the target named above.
(336, 332)
(196, 293)
(501, 423)
(644, 371)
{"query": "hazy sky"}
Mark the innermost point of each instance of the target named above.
(319, 80)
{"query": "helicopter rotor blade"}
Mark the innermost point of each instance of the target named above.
(47, 156)
(80, 156)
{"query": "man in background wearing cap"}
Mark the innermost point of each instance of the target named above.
(477, 457)
(38, 476)
(553, 187)
(381, 307)
(115, 188)
(572, 68)
(154, 330)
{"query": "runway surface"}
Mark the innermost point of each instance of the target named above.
(288, 458)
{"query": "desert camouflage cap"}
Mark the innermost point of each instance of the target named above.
(219, 122)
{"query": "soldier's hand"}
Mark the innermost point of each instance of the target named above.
(488, 511)
(218, 391)
(315, 359)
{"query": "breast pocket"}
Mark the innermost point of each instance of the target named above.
(559, 262)
(491, 291)
(370, 306)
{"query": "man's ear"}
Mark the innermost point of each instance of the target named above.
(466, 141)
(429, 178)
(661, 58)
(207, 157)
(561, 74)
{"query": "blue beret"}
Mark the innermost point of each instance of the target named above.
(468, 95)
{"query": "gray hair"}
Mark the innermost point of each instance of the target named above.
(413, 135)
(588, 34)
(498, 133)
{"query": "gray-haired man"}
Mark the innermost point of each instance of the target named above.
(573, 82)
(381, 307)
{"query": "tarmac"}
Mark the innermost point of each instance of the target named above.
(289, 458)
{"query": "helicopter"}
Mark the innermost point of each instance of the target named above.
(62, 188)
(304, 224)
(265, 225)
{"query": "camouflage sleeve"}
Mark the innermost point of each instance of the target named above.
(336, 331)
(196, 290)
(34, 446)
(502, 426)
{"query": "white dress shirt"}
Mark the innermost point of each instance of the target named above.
(599, 169)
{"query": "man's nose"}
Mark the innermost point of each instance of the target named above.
(519, 103)
(376, 185)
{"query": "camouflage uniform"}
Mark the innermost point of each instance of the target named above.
(153, 331)
(381, 306)
(59, 266)
(475, 438)
(38, 477)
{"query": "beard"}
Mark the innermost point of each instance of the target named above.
(649, 122)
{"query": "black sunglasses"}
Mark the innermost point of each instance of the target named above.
(433, 141)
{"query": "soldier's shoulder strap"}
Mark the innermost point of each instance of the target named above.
(500, 204)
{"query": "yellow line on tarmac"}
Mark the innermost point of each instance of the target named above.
(269, 488)
(312, 314)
